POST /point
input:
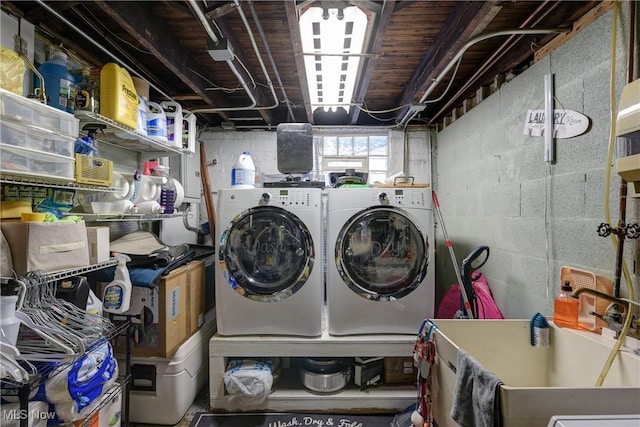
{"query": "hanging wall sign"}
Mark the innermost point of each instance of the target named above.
(566, 123)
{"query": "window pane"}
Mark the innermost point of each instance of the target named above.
(360, 146)
(376, 176)
(345, 146)
(378, 163)
(330, 146)
(378, 145)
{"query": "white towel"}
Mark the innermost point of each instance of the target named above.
(476, 402)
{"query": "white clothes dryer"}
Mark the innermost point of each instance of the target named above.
(381, 276)
(269, 262)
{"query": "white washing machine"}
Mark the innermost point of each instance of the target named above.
(269, 262)
(381, 276)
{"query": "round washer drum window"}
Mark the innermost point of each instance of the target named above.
(381, 254)
(267, 252)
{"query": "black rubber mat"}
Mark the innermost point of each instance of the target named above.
(289, 420)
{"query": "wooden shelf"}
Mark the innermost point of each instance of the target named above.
(289, 394)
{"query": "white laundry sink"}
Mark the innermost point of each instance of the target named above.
(539, 382)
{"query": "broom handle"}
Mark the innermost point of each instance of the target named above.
(463, 291)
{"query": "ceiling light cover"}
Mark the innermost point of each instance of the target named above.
(331, 74)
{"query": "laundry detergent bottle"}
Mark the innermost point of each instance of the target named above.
(116, 296)
(59, 83)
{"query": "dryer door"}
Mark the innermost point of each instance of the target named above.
(381, 254)
(266, 253)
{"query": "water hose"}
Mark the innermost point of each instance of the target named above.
(612, 108)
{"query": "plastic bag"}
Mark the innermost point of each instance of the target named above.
(486, 306)
(12, 70)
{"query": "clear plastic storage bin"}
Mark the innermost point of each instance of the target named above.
(25, 161)
(16, 107)
(26, 136)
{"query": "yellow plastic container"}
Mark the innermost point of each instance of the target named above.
(118, 96)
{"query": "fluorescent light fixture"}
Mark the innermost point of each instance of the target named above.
(336, 35)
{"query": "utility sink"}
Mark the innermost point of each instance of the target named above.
(539, 382)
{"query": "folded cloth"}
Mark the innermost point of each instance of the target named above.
(248, 381)
(476, 401)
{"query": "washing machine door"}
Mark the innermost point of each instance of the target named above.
(381, 254)
(266, 253)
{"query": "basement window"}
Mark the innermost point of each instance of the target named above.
(364, 153)
(332, 40)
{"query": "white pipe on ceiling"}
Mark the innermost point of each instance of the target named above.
(409, 115)
(232, 66)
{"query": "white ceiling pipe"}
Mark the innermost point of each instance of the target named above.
(409, 115)
(232, 66)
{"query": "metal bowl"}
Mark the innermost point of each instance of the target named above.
(325, 382)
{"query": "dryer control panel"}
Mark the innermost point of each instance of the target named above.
(403, 197)
(289, 197)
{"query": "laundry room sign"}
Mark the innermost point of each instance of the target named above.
(566, 123)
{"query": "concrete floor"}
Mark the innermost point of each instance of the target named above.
(200, 404)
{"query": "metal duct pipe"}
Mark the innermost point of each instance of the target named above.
(409, 115)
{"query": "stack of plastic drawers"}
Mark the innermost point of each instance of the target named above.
(36, 140)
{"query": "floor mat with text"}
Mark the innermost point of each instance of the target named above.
(289, 420)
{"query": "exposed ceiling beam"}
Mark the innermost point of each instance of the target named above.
(221, 11)
(499, 60)
(466, 18)
(138, 19)
(296, 41)
(257, 92)
(375, 35)
(366, 5)
(401, 4)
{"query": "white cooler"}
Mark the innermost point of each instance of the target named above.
(162, 390)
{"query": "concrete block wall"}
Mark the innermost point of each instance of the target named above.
(495, 188)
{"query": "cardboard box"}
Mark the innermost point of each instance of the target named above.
(399, 370)
(195, 296)
(46, 246)
(98, 240)
(160, 322)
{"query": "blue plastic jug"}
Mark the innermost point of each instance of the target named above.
(59, 83)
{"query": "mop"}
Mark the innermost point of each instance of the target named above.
(463, 291)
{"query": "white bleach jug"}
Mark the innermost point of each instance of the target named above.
(243, 174)
(173, 113)
(189, 130)
(156, 122)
